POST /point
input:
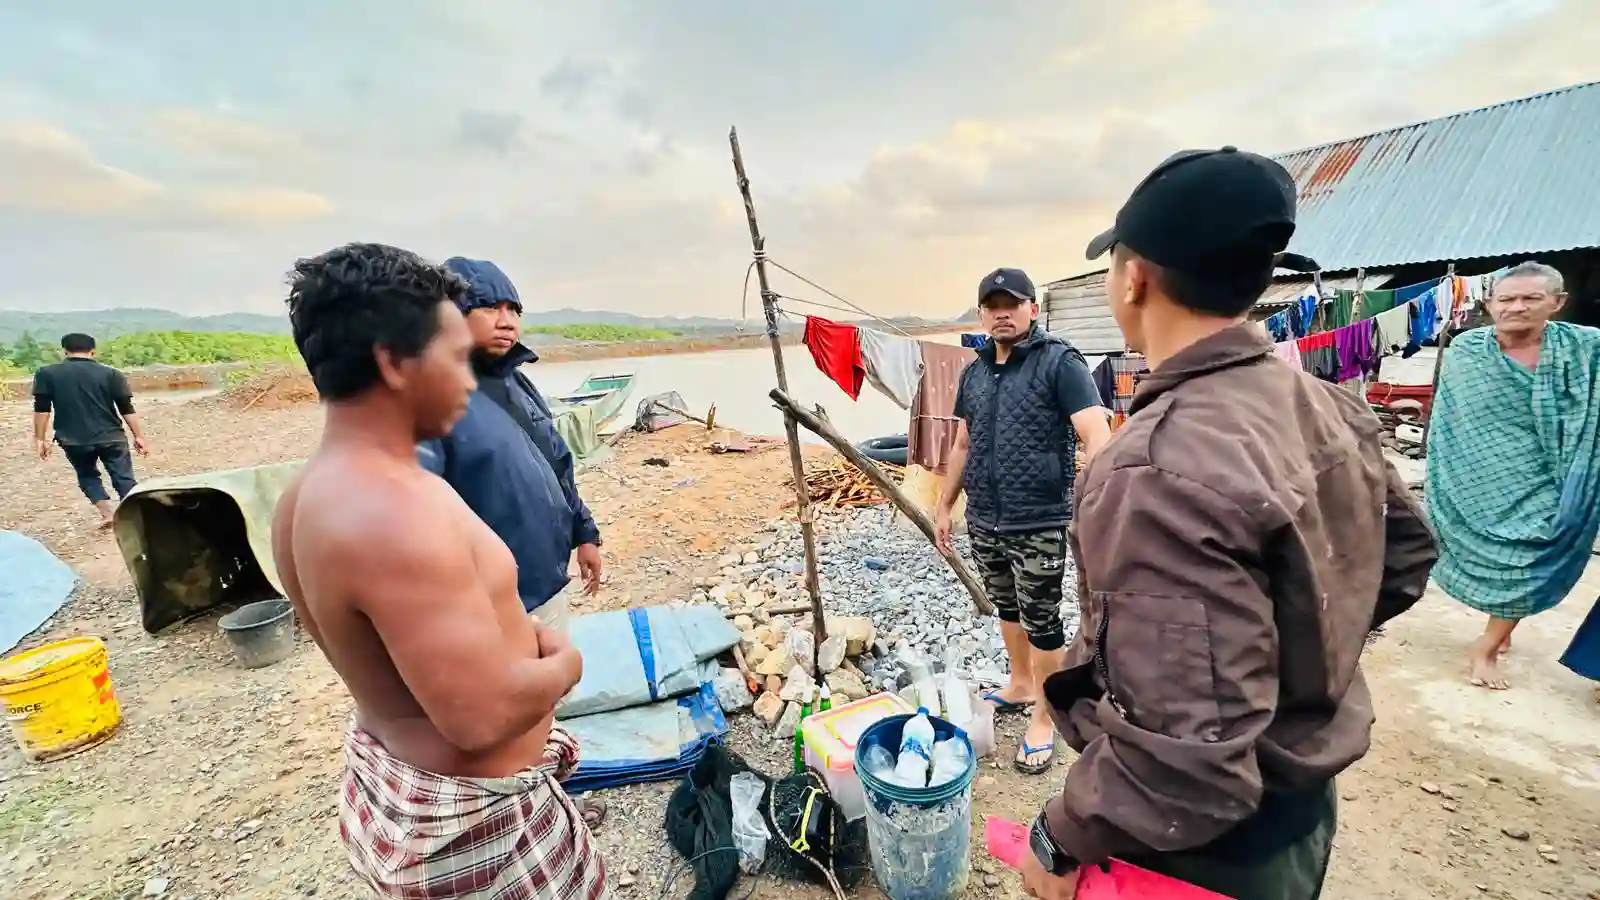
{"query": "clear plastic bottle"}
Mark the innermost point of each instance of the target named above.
(922, 681)
(916, 749)
(878, 762)
(957, 700)
(950, 758)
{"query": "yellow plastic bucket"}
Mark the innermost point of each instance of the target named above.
(59, 699)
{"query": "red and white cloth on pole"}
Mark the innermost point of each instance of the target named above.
(837, 349)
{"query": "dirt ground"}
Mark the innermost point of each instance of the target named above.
(221, 782)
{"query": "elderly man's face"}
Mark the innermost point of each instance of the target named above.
(1522, 305)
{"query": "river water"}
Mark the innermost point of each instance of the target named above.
(737, 381)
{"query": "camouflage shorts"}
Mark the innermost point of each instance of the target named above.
(1021, 573)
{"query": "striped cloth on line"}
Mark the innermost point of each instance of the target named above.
(414, 835)
(1513, 479)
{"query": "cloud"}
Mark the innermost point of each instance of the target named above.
(261, 206)
(44, 169)
(194, 132)
(493, 131)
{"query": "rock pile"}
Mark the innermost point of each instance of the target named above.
(888, 595)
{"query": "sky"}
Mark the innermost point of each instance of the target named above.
(183, 153)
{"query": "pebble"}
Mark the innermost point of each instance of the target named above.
(884, 570)
(155, 887)
(1515, 833)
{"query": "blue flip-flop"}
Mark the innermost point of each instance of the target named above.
(1028, 768)
(1001, 704)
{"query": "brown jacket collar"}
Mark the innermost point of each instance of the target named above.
(1243, 343)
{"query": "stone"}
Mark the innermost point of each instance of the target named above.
(788, 722)
(744, 624)
(858, 633)
(799, 687)
(754, 654)
(769, 634)
(155, 887)
(732, 693)
(874, 563)
(731, 559)
(752, 558)
(846, 685)
(776, 663)
(1516, 833)
(1429, 787)
(774, 683)
(626, 879)
(768, 708)
(831, 654)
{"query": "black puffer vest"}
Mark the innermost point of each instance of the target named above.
(1021, 442)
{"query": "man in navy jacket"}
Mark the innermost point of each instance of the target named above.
(506, 459)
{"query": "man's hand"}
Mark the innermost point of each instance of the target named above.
(589, 567)
(141, 447)
(43, 447)
(1041, 884)
(941, 531)
(551, 641)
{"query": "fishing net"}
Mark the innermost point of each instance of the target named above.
(811, 840)
(658, 411)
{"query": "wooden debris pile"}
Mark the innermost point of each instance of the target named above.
(838, 483)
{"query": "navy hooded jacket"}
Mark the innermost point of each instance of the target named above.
(508, 462)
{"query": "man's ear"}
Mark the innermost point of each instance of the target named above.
(388, 367)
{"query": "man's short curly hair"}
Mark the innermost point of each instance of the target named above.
(353, 299)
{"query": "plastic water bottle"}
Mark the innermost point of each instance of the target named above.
(916, 749)
(950, 758)
(878, 762)
(957, 700)
(922, 682)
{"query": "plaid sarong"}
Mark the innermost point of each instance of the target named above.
(1513, 484)
(415, 835)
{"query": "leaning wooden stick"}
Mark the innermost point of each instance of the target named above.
(885, 484)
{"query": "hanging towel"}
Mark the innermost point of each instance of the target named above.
(933, 412)
(1288, 351)
(894, 365)
(1394, 329)
(837, 350)
(1307, 304)
(1513, 478)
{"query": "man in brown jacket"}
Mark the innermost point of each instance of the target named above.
(1236, 542)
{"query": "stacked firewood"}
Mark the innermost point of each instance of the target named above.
(839, 483)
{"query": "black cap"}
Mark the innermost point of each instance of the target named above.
(1209, 211)
(1008, 281)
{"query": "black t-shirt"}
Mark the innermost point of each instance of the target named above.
(1074, 388)
(88, 398)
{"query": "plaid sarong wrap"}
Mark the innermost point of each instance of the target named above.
(1513, 483)
(414, 835)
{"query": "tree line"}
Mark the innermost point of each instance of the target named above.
(28, 352)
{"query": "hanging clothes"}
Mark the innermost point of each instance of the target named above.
(933, 412)
(974, 341)
(1318, 356)
(894, 365)
(1105, 382)
(1277, 325)
(1411, 292)
(1424, 321)
(1357, 350)
(1288, 351)
(1394, 329)
(1375, 303)
(837, 350)
(1307, 304)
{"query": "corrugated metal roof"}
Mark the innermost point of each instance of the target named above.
(1076, 309)
(1280, 293)
(1517, 177)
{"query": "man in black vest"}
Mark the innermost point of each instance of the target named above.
(1024, 405)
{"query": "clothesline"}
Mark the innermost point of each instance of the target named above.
(1299, 317)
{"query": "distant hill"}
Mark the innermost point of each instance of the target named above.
(109, 323)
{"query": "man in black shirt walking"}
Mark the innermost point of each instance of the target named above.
(91, 401)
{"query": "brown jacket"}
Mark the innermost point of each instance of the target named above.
(1236, 542)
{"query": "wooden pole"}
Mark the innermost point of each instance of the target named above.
(886, 484)
(1438, 355)
(769, 306)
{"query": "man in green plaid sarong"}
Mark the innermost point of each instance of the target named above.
(1513, 484)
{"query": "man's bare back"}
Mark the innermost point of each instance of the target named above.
(414, 602)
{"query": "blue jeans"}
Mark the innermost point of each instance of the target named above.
(86, 462)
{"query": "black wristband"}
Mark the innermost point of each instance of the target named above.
(1050, 855)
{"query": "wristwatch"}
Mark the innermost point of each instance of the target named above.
(1055, 860)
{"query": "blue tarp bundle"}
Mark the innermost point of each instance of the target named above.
(34, 587)
(649, 655)
(647, 743)
(628, 727)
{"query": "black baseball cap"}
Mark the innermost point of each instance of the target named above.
(1209, 212)
(1007, 281)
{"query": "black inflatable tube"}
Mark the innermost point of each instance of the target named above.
(891, 449)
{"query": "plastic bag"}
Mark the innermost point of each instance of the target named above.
(801, 645)
(749, 829)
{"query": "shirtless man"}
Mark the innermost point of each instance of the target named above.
(452, 759)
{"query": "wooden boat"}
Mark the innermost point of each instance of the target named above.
(604, 395)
